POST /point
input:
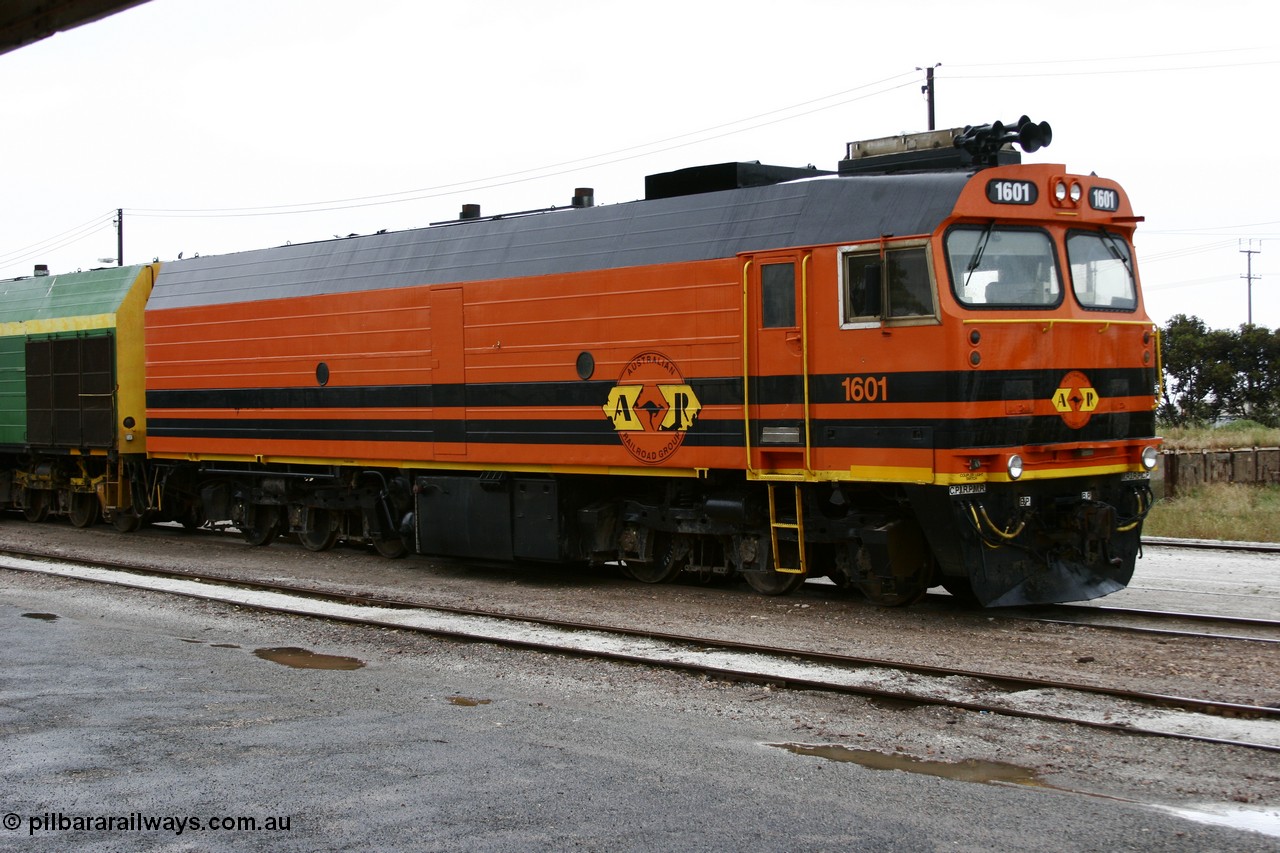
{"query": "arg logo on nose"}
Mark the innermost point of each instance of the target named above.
(1075, 399)
(652, 407)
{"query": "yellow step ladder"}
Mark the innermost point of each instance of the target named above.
(798, 527)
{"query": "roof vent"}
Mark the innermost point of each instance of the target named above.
(721, 176)
(584, 197)
(42, 269)
(470, 211)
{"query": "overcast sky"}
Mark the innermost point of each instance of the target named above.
(237, 124)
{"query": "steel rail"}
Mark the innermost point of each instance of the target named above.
(1095, 616)
(1212, 544)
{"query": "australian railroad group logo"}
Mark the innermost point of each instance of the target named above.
(1075, 399)
(651, 407)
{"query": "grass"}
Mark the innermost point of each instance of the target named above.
(1234, 511)
(1226, 437)
(1230, 511)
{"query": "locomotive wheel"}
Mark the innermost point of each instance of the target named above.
(768, 581)
(262, 525)
(392, 549)
(84, 509)
(36, 506)
(893, 599)
(126, 521)
(192, 518)
(961, 590)
(773, 583)
(665, 565)
(321, 533)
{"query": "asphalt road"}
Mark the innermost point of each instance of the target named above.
(140, 708)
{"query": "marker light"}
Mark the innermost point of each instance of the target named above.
(1015, 466)
(1149, 457)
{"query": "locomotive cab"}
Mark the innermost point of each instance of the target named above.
(1015, 336)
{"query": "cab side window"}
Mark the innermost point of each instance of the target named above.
(892, 285)
(778, 295)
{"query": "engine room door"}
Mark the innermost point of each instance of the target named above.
(777, 382)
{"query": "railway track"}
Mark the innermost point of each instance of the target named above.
(1213, 544)
(1119, 710)
(1160, 622)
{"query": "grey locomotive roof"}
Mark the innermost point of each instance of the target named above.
(687, 228)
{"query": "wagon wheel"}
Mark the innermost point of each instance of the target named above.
(84, 509)
(669, 560)
(321, 533)
(392, 549)
(36, 506)
(262, 524)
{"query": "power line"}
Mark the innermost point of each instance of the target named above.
(1079, 60)
(41, 246)
(1173, 254)
(540, 172)
(53, 244)
(1003, 67)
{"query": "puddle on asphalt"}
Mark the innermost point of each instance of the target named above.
(223, 646)
(969, 770)
(1265, 821)
(467, 701)
(307, 659)
(43, 617)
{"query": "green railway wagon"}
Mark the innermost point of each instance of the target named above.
(72, 413)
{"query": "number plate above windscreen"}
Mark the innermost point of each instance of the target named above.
(1102, 198)
(1011, 192)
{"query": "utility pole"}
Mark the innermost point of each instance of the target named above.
(927, 88)
(1249, 276)
(119, 236)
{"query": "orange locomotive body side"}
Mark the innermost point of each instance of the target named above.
(511, 345)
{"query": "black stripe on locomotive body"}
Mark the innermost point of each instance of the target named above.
(938, 386)
(933, 387)
(725, 391)
(709, 226)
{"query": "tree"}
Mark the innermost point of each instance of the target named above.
(1215, 373)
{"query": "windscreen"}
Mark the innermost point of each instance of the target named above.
(1003, 267)
(1101, 270)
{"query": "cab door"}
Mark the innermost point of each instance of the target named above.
(775, 289)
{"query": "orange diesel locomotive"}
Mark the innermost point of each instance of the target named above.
(931, 366)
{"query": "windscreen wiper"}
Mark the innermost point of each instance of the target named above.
(1115, 248)
(976, 257)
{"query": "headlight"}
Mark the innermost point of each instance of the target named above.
(1060, 190)
(1015, 467)
(1149, 457)
(1076, 192)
